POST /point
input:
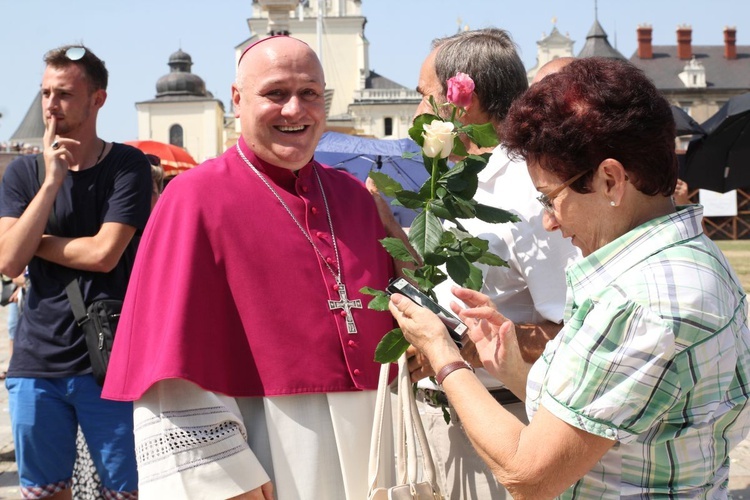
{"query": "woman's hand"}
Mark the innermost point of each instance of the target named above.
(425, 331)
(494, 336)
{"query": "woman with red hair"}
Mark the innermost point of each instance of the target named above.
(644, 391)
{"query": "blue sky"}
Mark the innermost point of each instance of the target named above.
(136, 38)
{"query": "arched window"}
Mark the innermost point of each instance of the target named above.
(175, 135)
(388, 126)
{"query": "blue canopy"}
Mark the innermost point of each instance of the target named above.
(360, 155)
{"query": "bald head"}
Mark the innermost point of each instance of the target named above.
(274, 49)
(553, 66)
(279, 99)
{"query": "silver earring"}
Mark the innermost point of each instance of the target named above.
(612, 204)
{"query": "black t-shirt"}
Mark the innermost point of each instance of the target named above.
(48, 342)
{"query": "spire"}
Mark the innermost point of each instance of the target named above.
(597, 43)
(31, 129)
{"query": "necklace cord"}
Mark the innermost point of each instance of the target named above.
(104, 146)
(337, 276)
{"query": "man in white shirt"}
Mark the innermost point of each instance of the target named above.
(531, 290)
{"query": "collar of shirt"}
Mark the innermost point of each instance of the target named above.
(500, 161)
(595, 272)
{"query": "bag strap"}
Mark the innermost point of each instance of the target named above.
(76, 301)
(409, 433)
(415, 433)
(377, 428)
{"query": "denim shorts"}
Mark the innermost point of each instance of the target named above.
(45, 414)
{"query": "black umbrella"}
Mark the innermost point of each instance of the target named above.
(720, 160)
(684, 122)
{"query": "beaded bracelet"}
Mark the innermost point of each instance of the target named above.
(450, 368)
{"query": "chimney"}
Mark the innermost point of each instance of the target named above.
(730, 42)
(645, 50)
(684, 38)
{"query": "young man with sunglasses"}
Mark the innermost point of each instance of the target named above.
(79, 221)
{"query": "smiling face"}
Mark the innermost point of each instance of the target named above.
(279, 99)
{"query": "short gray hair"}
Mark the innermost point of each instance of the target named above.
(490, 57)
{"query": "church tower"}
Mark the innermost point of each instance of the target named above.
(551, 47)
(183, 112)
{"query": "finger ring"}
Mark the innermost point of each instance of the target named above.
(55, 145)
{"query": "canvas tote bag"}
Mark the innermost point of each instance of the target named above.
(409, 434)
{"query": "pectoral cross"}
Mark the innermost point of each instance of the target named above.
(346, 305)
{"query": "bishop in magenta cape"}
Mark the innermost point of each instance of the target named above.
(228, 293)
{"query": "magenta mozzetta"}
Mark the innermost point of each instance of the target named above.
(273, 343)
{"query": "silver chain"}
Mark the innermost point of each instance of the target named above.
(337, 276)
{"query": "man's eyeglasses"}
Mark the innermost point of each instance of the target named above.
(75, 53)
(547, 199)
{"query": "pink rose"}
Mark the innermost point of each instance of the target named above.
(460, 90)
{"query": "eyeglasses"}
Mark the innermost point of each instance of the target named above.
(546, 199)
(75, 53)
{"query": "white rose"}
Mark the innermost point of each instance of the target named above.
(438, 138)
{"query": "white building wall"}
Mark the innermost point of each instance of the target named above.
(201, 122)
(342, 53)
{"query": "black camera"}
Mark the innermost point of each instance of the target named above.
(455, 326)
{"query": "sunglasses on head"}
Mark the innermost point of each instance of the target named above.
(153, 159)
(75, 53)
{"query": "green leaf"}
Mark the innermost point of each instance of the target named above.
(397, 249)
(425, 232)
(446, 415)
(380, 299)
(391, 347)
(471, 252)
(460, 208)
(458, 147)
(464, 273)
(434, 104)
(456, 184)
(483, 135)
(494, 215)
(385, 184)
(410, 199)
(475, 278)
(464, 186)
(478, 243)
(434, 259)
(420, 277)
(491, 259)
(447, 238)
(432, 276)
(379, 303)
(473, 164)
(366, 290)
(458, 269)
(408, 155)
(438, 208)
